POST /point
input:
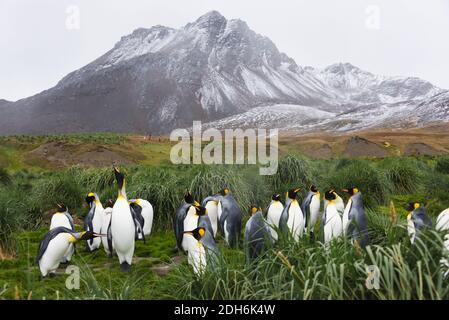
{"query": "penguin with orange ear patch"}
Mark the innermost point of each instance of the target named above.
(417, 220)
(257, 235)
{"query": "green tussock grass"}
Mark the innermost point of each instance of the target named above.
(304, 270)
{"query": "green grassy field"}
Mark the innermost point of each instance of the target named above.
(305, 270)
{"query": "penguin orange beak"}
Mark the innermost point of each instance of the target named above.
(196, 203)
(188, 232)
(100, 235)
(345, 190)
(297, 190)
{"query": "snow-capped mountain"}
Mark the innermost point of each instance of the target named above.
(215, 70)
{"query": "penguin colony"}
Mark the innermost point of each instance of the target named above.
(117, 225)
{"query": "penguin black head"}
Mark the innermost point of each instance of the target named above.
(292, 193)
(276, 197)
(198, 233)
(225, 191)
(61, 207)
(351, 191)
(90, 198)
(120, 177)
(254, 209)
(313, 188)
(330, 195)
(109, 203)
(200, 211)
(87, 235)
(412, 206)
(188, 198)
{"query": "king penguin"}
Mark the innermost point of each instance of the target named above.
(274, 212)
(230, 217)
(93, 220)
(257, 235)
(54, 246)
(211, 205)
(196, 252)
(292, 218)
(354, 218)
(417, 221)
(443, 221)
(122, 225)
(311, 208)
(106, 228)
(146, 213)
(331, 223)
(180, 215)
(62, 218)
(191, 222)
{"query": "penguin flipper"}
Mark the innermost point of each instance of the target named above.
(109, 237)
(69, 217)
(50, 235)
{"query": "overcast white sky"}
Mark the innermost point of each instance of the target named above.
(37, 50)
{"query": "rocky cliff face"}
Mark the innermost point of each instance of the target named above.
(158, 79)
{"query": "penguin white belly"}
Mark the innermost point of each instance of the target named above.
(295, 220)
(333, 227)
(97, 222)
(273, 216)
(219, 210)
(190, 223)
(314, 211)
(411, 229)
(123, 231)
(196, 255)
(443, 221)
(104, 230)
(345, 219)
(147, 214)
(54, 253)
(339, 205)
(212, 212)
(60, 220)
(226, 233)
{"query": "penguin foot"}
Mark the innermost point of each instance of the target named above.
(125, 267)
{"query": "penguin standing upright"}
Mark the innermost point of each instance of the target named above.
(62, 218)
(274, 213)
(146, 213)
(196, 252)
(292, 218)
(54, 246)
(106, 228)
(94, 220)
(211, 205)
(122, 225)
(311, 208)
(180, 215)
(339, 203)
(354, 218)
(192, 222)
(331, 223)
(443, 221)
(230, 217)
(257, 235)
(417, 221)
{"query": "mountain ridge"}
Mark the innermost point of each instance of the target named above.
(160, 78)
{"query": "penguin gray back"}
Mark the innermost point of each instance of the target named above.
(358, 226)
(257, 235)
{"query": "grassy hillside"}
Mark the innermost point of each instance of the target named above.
(30, 187)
